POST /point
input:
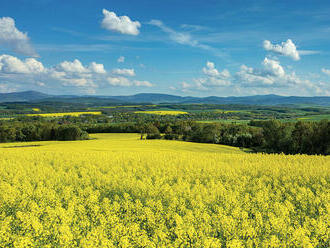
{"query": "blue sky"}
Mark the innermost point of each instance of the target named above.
(199, 48)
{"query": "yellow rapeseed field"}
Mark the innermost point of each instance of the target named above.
(118, 191)
(162, 112)
(65, 114)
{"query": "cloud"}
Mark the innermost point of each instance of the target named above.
(211, 71)
(249, 75)
(184, 38)
(179, 37)
(122, 81)
(97, 68)
(212, 78)
(308, 52)
(185, 85)
(121, 59)
(76, 47)
(189, 87)
(124, 72)
(66, 73)
(216, 82)
(142, 83)
(78, 82)
(273, 67)
(271, 77)
(72, 67)
(272, 74)
(194, 27)
(121, 24)
(77, 67)
(76, 74)
(287, 48)
(119, 81)
(12, 65)
(72, 75)
(11, 37)
(326, 71)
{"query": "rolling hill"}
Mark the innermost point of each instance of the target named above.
(34, 96)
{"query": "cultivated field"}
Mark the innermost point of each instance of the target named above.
(119, 191)
(65, 114)
(162, 112)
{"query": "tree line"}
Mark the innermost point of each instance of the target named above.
(40, 131)
(271, 136)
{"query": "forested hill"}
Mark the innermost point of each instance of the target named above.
(34, 96)
(24, 96)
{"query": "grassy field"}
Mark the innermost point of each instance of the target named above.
(314, 117)
(119, 191)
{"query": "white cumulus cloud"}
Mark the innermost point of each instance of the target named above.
(16, 40)
(121, 24)
(11, 65)
(249, 75)
(124, 72)
(85, 78)
(72, 67)
(97, 68)
(66, 73)
(119, 81)
(287, 48)
(211, 71)
(76, 74)
(77, 67)
(123, 81)
(273, 67)
(214, 77)
(272, 74)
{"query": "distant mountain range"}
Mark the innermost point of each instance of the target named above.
(34, 96)
(24, 96)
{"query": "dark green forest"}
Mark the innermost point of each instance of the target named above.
(270, 136)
